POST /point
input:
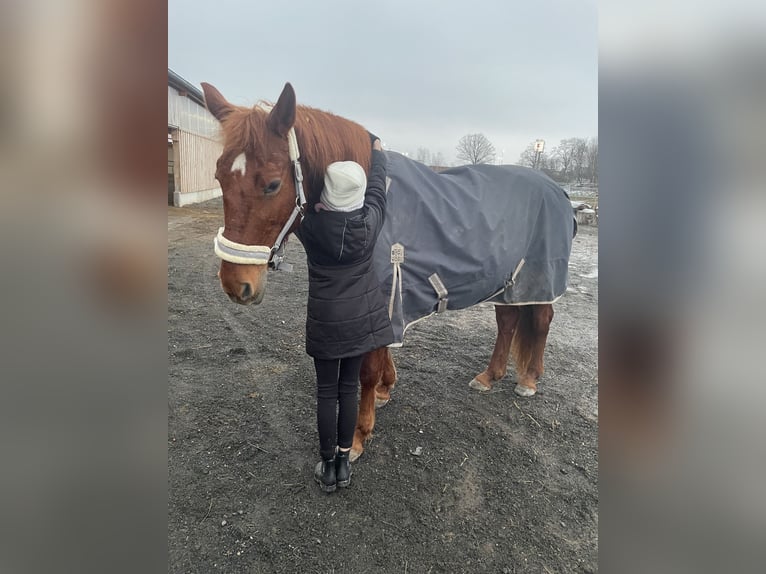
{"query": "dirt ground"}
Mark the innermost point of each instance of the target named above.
(502, 484)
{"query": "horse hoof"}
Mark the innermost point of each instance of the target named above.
(355, 454)
(381, 402)
(524, 391)
(479, 386)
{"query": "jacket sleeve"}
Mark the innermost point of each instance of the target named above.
(375, 195)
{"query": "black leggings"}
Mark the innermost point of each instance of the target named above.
(337, 383)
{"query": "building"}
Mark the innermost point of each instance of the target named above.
(193, 145)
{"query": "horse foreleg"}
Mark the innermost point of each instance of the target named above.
(369, 377)
(530, 348)
(507, 317)
(387, 380)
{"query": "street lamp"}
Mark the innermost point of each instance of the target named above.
(539, 148)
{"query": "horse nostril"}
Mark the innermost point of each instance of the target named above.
(247, 291)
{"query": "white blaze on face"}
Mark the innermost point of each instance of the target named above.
(239, 164)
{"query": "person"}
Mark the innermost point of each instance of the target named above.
(347, 313)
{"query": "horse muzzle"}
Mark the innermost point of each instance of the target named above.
(243, 269)
(244, 284)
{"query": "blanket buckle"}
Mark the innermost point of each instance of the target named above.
(441, 292)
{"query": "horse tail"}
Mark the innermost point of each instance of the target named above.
(522, 344)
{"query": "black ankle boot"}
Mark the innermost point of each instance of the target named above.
(324, 474)
(342, 469)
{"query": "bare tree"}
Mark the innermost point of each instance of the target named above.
(573, 157)
(527, 157)
(579, 158)
(564, 154)
(530, 158)
(438, 159)
(591, 154)
(475, 148)
(423, 155)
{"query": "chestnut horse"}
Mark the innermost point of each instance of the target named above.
(269, 155)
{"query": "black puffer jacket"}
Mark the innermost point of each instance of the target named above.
(347, 313)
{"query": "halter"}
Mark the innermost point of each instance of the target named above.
(273, 256)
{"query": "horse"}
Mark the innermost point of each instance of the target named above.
(272, 168)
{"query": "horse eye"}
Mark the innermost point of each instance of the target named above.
(273, 187)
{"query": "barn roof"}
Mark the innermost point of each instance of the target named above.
(185, 88)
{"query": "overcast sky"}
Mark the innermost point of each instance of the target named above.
(417, 73)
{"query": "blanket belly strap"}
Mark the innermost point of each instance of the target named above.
(511, 281)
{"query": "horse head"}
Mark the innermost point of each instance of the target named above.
(259, 190)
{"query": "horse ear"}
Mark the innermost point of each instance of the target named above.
(215, 102)
(282, 116)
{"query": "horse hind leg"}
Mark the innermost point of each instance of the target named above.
(387, 381)
(528, 346)
(507, 317)
(369, 377)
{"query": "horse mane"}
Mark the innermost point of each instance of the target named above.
(323, 138)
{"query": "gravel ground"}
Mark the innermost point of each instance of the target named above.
(499, 483)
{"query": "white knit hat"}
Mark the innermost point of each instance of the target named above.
(344, 186)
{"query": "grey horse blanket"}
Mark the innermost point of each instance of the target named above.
(470, 234)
